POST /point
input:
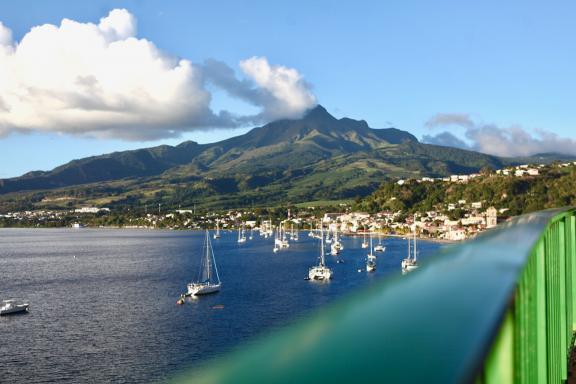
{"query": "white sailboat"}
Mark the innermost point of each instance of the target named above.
(337, 244)
(364, 243)
(217, 234)
(241, 235)
(410, 263)
(208, 279)
(277, 241)
(283, 240)
(371, 260)
(320, 271)
(251, 234)
(379, 247)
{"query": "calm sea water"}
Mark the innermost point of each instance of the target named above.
(103, 301)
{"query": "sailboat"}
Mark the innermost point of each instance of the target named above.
(320, 271)
(410, 263)
(371, 260)
(379, 247)
(277, 241)
(208, 279)
(217, 234)
(336, 245)
(364, 243)
(241, 235)
(251, 233)
(283, 240)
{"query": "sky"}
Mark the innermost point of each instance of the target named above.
(85, 78)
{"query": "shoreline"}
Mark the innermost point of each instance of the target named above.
(431, 239)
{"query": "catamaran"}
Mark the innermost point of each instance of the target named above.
(208, 279)
(410, 263)
(320, 271)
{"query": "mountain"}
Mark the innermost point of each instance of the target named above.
(315, 157)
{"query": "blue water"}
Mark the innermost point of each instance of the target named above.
(103, 301)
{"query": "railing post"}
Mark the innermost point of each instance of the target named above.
(500, 363)
(541, 342)
(563, 308)
(571, 236)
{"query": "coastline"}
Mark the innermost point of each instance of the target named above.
(431, 239)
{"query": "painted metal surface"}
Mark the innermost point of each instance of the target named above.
(495, 309)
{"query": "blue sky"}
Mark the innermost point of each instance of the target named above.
(503, 65)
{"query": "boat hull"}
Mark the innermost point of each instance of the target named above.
(409, 265)
(320, 273)
(202, 289)
(14, 309)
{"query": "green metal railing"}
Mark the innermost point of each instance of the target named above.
(497, 309)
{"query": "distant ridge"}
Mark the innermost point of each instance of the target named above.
(315, 157)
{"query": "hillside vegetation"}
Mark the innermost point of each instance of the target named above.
(555, 186)
(317, 157)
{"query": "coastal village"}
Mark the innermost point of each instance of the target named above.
(475, 218)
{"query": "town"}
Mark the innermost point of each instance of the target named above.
(457, 220)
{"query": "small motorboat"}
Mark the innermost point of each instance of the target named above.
(13, 306)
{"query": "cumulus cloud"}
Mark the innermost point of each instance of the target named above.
(283, 91)
(102, 80)
(5, 36)
(492, 139)
(279, 91)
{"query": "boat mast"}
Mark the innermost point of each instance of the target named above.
(371, 248)
(208, 261)
(409, 255)
(321, 246)
(213, 259)
(414, 237)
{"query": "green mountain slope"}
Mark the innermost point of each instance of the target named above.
(316, 157)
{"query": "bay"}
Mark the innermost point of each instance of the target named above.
(102, 301)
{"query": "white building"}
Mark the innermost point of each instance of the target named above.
(491, 217)
(90, 210)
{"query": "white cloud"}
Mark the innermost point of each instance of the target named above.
(102, 80)
(286, 94)
(5, 36)
(489, 138)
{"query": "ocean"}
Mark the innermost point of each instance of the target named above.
(103, 301)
